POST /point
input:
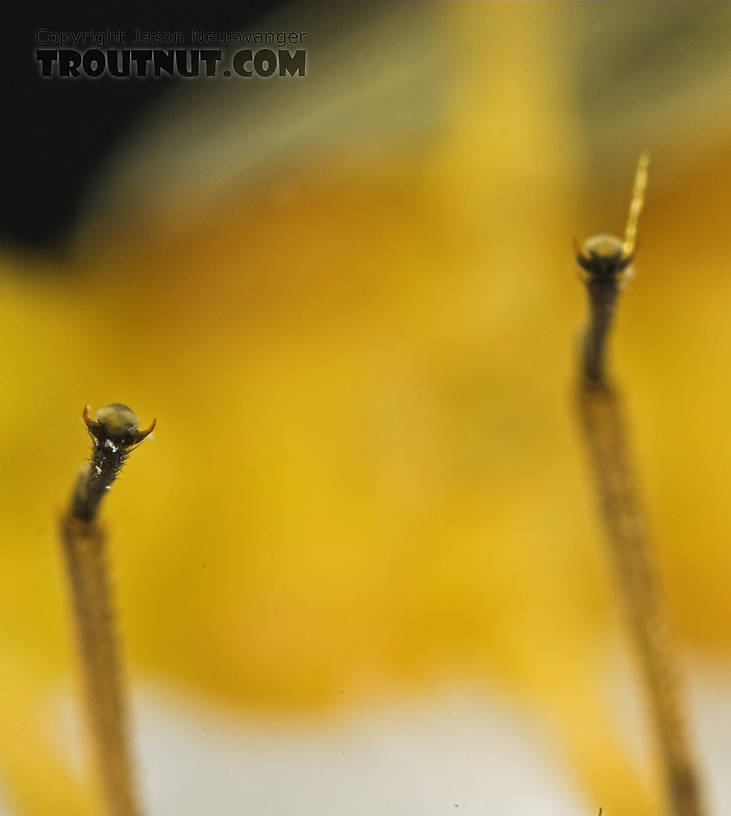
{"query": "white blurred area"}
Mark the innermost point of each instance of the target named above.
(450, 754)
(459, 751)
(456, 752)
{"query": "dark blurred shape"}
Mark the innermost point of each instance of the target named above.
(56, 131)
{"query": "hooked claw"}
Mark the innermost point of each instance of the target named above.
(116, 423)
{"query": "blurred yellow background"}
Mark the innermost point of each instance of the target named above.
(354, 316)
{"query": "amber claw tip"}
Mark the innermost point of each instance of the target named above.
(144, 434)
